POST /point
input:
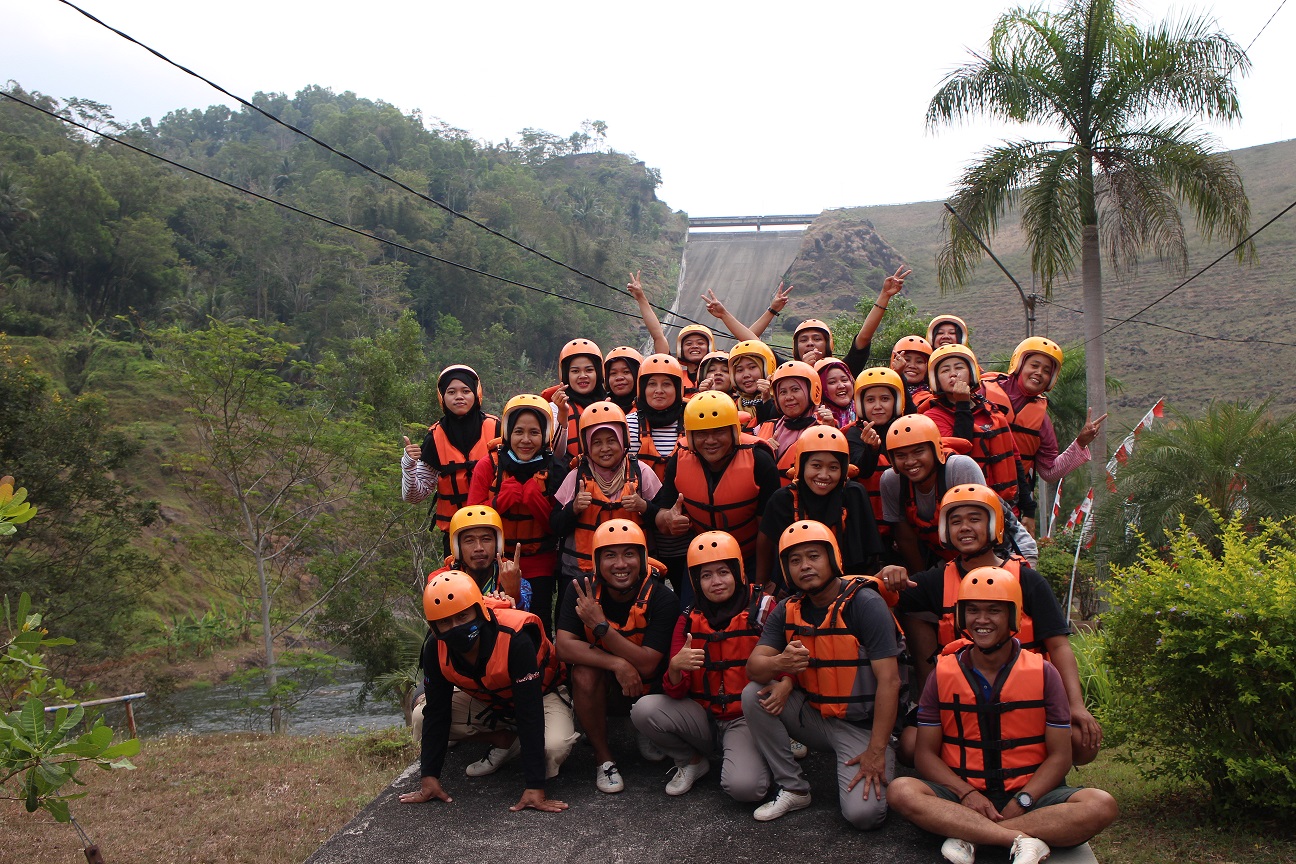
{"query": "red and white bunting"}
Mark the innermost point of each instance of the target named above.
(1126, 448)
(1057, 509)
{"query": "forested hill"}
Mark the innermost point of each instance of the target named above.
(90, 230)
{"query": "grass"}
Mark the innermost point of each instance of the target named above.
(1162, 822)
(217, 799)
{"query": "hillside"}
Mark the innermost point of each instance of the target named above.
(1246, 302)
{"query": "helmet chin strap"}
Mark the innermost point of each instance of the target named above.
(968, 556)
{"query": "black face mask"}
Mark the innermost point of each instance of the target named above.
(463, 637)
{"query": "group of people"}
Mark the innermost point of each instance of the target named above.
(756, 558)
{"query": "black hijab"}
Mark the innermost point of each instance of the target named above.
(667, 416)
(718, 615)
(462, 432)
(584, 400)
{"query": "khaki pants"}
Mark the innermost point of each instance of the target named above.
(469, 718)
(682, 727)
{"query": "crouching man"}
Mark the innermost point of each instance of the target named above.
(509, 690)
(994, 740)
(839, 641)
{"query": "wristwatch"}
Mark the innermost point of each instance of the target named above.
(1024, 800)
(600, 630)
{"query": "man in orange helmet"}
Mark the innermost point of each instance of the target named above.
(491, 675)
(994, 741)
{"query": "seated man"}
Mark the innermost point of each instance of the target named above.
(614, 629)
(837, 638)
(994, 741)
(972, 524)
(491, 675)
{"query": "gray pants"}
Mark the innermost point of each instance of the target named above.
(682, 728)
(805, 724)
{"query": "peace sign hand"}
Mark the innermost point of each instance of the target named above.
(1088, 432)
(895, 282)
(510, 572)
(781, 296)
(713, 304)
(635, 287)
(588, 608)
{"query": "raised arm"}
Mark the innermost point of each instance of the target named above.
(635, 287)
(890, 288)
(718, 310)
(780, 300)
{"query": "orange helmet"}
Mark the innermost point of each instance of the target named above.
(879, 376)
(711, 409)
(660, 364)
(691, 329)
(457, 367)
(713, 357)
(450, 593)
(754, 348)
(539, 404)
(1037, 345)
(915, 429)
(812, 324)
(599, 414)
(945, 352)
(824, 439)
(620, 532)
(912, 343)
(580, 348)
(475, 516)
(990, 584)
(797, 369)
(626, 353)
(808, 531)
(710, 546)
(958, 322)
(972, 494)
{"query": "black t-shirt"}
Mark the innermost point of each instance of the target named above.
(663, 610)
(1038, 600)
(860, 543)
(528, 704)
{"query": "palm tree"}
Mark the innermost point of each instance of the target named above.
(1235, 460)
(1120, 171)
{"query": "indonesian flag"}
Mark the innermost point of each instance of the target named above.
(1057, 509)
(1126, 448)
(1081, 514)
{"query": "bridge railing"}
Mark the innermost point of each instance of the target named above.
(756, 222)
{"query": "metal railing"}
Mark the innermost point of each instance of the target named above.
(127, 700)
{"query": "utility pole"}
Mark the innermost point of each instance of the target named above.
(1028, 300)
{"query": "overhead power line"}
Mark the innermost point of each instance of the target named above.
(1176, 329)
(1236, 247)
(1247, 50)
(315, 216)
(376, 172)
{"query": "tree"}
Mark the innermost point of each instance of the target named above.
(273, 460)
(1120, 172)
(1236, 461)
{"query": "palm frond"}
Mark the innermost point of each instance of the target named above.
(1137, 212)
(1051, 215)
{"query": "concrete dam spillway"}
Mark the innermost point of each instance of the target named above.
(742, 268)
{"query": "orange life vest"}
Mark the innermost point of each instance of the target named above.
(718, 685)
(873, 483)
(520, 525)
(947, 633)
(921, 398)
(787, 459)
(648, 452)
(997, 745)
(992, 448)
(732, 507)
(495, 686)
(636, 623)
(928, 531)
(839, 681)
(1025, 424)
(601, 510)
(455, 474)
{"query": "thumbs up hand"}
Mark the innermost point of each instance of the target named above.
(413, 451)
(688, 658)
(673, 522)
(795, 658)
(582, 500)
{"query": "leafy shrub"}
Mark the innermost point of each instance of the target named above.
(1202, 651)
(1056, 556)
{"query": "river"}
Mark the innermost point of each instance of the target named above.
(330, 710)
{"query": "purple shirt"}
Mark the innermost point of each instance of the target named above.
(1057, 708)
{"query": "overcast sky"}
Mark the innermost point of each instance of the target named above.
(746, 108)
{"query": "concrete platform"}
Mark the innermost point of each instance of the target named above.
(641, 825)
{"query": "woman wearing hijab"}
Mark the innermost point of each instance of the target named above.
(797, 393)
(703, 684)
(838, 384)
(580, 365)
(517, 478)
(443, 463)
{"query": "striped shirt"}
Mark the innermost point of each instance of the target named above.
(664, 441)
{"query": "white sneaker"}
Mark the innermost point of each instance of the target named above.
(494, 760)
(958, 851)
(649, 750)
(608, 779)
(686, 775)
(799, 750)
(1028, 850)
(784, 803)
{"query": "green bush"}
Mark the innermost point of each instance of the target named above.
(1202, 651)
(1056, 555)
